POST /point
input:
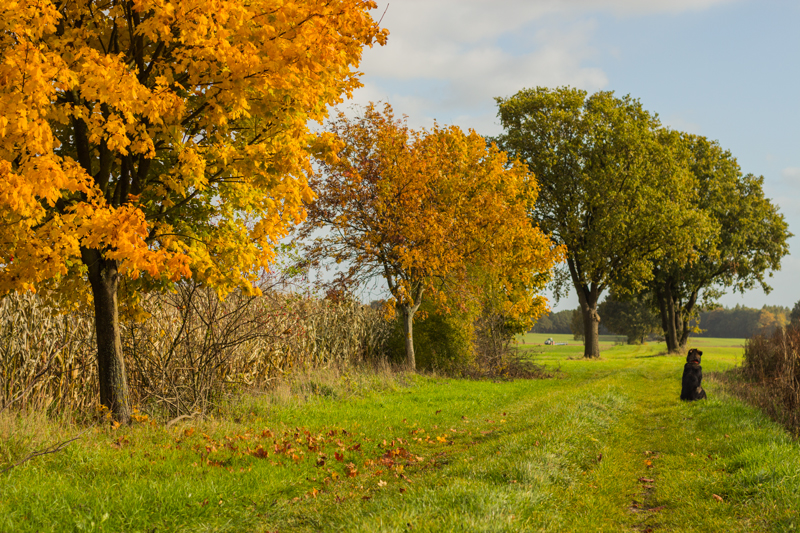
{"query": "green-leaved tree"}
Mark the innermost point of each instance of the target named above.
(745, 239)
(612, 189)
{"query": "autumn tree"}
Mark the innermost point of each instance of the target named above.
(612, 190)
(417, 207)
(161, 137)
(745, 239)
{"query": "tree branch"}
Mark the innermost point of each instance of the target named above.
(52, 449)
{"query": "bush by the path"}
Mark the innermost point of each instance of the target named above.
(772, 367)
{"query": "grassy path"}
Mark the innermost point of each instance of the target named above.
(604, 446)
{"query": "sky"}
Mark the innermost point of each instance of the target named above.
(725, 69)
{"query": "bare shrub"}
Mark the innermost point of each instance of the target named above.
(772, 368)
(496, 355)
(196, 346)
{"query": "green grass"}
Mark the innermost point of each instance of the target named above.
(602, 446)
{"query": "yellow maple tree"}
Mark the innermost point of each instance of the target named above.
(164, 137)
(418, 207)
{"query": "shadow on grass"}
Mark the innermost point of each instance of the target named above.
(659, 354)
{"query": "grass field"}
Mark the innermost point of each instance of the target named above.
(601, 446)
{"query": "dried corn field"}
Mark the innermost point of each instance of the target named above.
(183, 350)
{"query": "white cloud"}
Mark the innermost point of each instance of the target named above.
(449, 59)
(475, 20)
(639, 7)
(429, 75)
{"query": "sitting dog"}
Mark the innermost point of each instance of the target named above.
(692, 376)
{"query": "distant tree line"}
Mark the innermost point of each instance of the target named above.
(568, 321)
(743, 322)
(639, 322)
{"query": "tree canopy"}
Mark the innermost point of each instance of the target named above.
(746, 237)
(162, 137)
(419, 207)
(612, 189)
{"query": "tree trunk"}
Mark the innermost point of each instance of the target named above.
(671, 333)
(684, 340)
(591, 331)
(662, 306)
(104, 279)
(408, 329)
(686, 314)
(588, 295)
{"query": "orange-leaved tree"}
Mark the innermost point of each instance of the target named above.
(418, 207)
(164, 137)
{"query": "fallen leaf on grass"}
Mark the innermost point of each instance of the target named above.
(646, 480)
(382, 483)
(718, 498)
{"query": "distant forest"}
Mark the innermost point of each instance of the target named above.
(566, 321)
(742, 322)
(736, 322)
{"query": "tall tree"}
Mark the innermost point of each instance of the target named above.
(165, 137)
(612, 190)
(746, 239)
(419, 207)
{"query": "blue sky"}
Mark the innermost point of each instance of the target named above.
(725, 69)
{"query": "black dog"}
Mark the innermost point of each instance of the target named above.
(692, 376)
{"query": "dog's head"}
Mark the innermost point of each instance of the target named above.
(694, 356)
